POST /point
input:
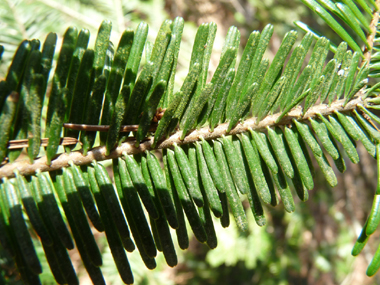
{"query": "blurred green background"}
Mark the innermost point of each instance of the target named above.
(311, 246)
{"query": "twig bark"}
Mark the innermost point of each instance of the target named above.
(99, 153)
(372, 33)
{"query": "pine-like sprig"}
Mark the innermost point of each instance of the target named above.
(245, 132)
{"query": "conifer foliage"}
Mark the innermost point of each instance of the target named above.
(251, 130)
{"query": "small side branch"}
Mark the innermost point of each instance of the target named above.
(17, 144)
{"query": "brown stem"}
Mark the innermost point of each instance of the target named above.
(372, 33)
(17, 144)
(99, 153)
(105, 128)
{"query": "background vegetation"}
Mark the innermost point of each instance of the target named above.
(310, 246)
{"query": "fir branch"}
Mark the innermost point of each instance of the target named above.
(87, 21)
(17, 18)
